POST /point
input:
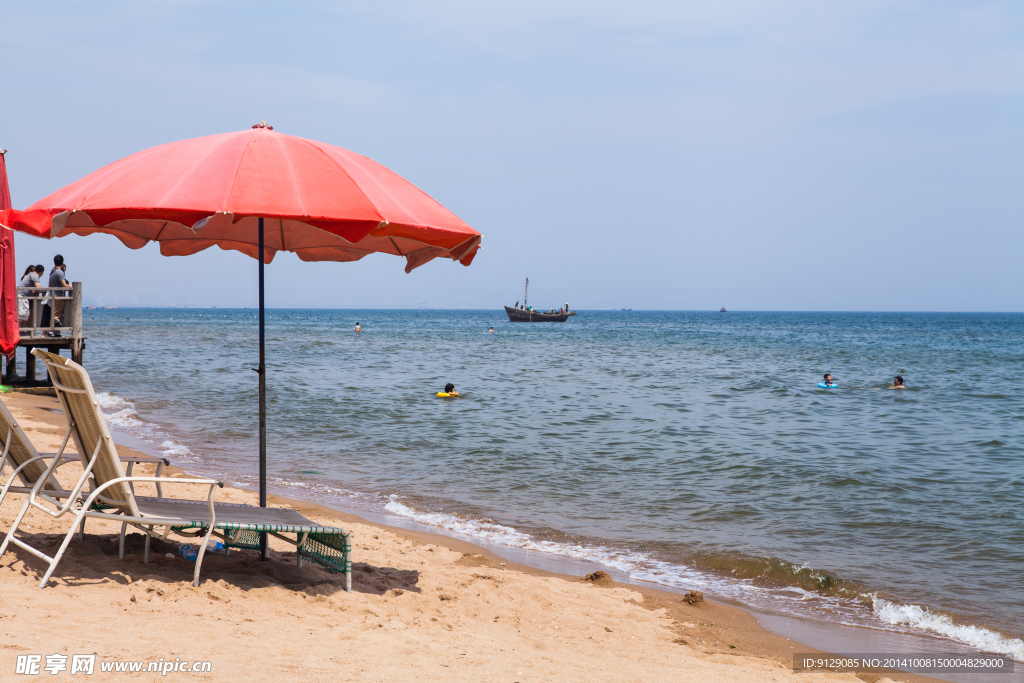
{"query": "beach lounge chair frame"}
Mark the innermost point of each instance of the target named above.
(112, 498)
(29, 465)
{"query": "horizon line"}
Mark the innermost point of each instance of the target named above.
(483, 308)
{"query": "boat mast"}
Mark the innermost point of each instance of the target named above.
(526, 291)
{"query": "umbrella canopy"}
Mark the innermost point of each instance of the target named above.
(257, 192)
(320, 201)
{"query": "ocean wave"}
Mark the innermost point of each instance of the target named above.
(122, 416)
(633, 563)
(637, 565)
(171, 449)
(319, 491)
(119, 412)
(984, 639)
(642, 567)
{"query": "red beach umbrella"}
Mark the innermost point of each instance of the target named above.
(322, 202)
(257, 192)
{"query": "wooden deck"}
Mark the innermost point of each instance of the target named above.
(35, 335)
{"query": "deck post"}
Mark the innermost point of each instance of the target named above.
(76, 322)
(37, 311)
(30, 364)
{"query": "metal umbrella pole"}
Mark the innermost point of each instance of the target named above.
(264, 545)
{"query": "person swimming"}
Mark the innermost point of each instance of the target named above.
(491, 330)
(828, 379)
(897, 382)
(449, 390)
(358, 329)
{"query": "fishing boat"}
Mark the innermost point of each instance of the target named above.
(723, 310)
(528, 315)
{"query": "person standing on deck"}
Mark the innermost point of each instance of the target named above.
(26, 302)
(29, 279)
(54, 311)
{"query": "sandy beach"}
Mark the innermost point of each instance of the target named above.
(423, 607)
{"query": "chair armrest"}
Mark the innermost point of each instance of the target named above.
(212, 483)
(164, 480)
(66, 456)
(144, 458)
(124, 458)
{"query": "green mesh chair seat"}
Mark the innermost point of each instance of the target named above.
(241, 526)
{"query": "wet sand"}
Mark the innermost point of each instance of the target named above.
(423, 606)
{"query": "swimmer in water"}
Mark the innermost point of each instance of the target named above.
(828, 379)
(491, 330)
(358, 329)
(897, 382)
(450, 389)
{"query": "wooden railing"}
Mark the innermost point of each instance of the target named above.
(37, 297)
(68, 333)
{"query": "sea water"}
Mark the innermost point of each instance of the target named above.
(690, 449)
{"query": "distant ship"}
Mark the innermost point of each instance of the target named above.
(627, 309)
(723, 310)
(528, 315)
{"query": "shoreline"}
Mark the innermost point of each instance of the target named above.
(777, 635)
(714, 628)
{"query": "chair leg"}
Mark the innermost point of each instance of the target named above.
(145, 557)
(60, 554)
(159, 489)
(199, 557)
(15, 525)
(120, 547)
(81, 530)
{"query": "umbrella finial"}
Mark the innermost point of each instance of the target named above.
(263, 124)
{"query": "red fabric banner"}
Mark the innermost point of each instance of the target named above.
(8, 275)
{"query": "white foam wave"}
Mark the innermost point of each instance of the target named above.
(174, 450)
(121, 415)
(119, 412)
(636, 565)
(978, 637)
(319, 490)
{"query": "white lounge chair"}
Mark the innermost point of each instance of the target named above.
(113, 499)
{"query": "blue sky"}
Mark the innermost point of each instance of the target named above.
(779, 156)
